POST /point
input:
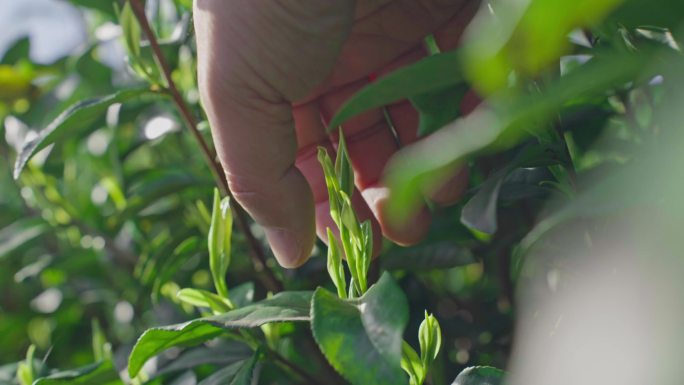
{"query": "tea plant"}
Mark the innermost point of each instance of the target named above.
(109, 228)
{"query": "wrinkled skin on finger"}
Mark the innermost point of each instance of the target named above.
(271, 75)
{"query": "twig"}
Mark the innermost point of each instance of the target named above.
(267, 277)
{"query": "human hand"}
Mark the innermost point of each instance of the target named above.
(272, 73)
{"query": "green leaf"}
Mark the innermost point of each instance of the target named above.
(412, 364)
(222, 355)
(71, 122)
(225, 375)
(98, 373)
(101, 348)
(439, 255)
(239, 373)
(203, 298)
(26, 368)
(502, 123)
(20, 233)
(438, 108)
(105, 7)
(343, 167)
(242, 295)
(480, 375)
(432, 73)
(283, 307)
(335, 268)
(366, 330)
(332, 184)
(19, 50)
(131, 29)
(430, 339)
(498, 42)
(480, 211)
(246, 372)
(220, 233)
(152, 187)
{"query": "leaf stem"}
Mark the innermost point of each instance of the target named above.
(266, 275)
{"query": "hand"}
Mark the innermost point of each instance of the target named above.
(271, 73)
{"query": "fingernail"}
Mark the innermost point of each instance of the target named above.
(286, 247)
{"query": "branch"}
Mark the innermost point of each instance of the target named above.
(267, 277)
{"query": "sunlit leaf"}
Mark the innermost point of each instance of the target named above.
(203, 298)
(412, 364)
(368, 330)
(71, 122)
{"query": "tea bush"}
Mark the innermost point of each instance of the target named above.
(118, 265)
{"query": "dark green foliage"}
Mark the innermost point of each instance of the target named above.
(480, 375)
(110, 214)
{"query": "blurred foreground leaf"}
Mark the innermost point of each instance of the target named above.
(503, 123)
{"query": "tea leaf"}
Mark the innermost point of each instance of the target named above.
(430, 339)
(343, 167)
(220, 233)
(242, 295)
(412, 364)
(102, 372)
(222, 356)
(480, 211)
(502, 124)
(432, 73)
(438, 108)
(20, 233)
(368, 329)
(480, 375)
(71, 122)
(335, 268)
(203, 298)
(283, 307)
(239, 373)
(439, 255)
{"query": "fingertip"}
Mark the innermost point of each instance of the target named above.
(291, 250)
(406, 234)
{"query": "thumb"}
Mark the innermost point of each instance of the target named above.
(247, 99)
(257, 146)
